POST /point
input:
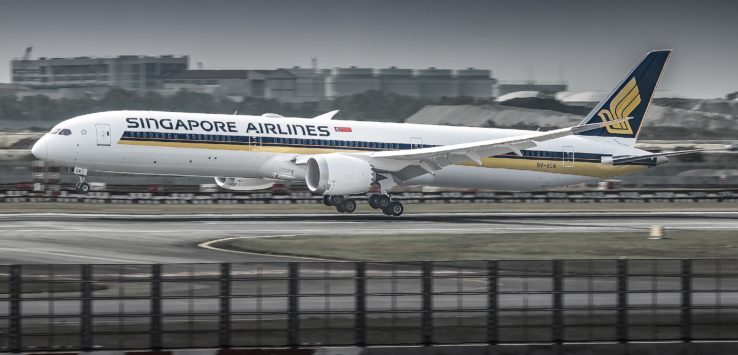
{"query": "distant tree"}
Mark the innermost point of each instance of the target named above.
(377, 106)
(11, 109)
(187, 101)
(39, 108)
(154, 101)
(119, 99)
(370, 105)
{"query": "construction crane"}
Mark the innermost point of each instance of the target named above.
(27, 53)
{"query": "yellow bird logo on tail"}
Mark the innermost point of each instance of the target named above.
(620, 107)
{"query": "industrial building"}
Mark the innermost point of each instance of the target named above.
(271, 84)
(168, 74)
(545, 88)
(131, 72)
(311, 84)
(430, 83)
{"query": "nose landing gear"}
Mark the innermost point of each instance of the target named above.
(82, 186)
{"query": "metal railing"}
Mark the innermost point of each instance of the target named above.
(135, 306)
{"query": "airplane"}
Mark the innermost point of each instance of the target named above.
(339, 158)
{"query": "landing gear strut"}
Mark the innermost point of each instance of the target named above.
(82, 186)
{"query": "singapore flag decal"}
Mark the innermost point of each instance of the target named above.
(343, 129)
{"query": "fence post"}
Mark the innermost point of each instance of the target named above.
(492, 305)
(224, 326)
(156, 307)
(360, 320)
(14, 333)
(557, 333)
(686, 300)
(427, 291)
(293, 325)
(622, 326)
(86, 306)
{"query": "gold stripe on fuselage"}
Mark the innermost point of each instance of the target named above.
(580, 168)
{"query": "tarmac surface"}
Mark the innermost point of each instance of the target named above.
(48, 238)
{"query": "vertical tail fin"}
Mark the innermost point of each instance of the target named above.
(629, 99)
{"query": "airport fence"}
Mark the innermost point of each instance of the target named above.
(230, 198)
(311, 304)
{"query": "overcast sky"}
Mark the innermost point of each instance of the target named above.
(590, 43)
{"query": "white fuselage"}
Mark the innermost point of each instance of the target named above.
(190, 144)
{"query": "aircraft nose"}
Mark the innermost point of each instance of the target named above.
(39, 149)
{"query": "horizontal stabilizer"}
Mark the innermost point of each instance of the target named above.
(660, 158)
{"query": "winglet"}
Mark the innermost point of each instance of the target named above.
(326, 116)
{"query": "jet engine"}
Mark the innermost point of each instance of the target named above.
(243, 184)
(338, 174)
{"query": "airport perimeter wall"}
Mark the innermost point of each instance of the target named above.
(545, 304)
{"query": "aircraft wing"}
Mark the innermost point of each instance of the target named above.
(406, 164)
(618, 160)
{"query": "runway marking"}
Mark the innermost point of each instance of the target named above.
(69, 255)
(208, 245)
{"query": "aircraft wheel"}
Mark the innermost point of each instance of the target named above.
(327, 200)
(374, 201)
(83, 188)
(384, 201)
(349, 206)
(395, 209)
(336, 200)
(341, 207)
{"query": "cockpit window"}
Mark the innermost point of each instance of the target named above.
(65, 132)
(55, 130)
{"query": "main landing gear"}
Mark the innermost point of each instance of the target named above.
(82, 186)
(378, 202)
(341, 203)
(386, 204)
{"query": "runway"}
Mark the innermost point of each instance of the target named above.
(50, 238)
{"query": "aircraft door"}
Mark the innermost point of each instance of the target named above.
(254, 143)
(103, 134)
(416, 142)
(568, 156)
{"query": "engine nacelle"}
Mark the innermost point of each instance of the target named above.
(243, 184)
(338, 174)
